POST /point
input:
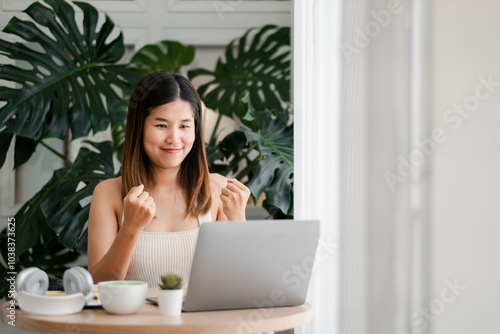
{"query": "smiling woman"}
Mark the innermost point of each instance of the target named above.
(144, 224)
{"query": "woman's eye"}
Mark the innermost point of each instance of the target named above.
(184, 126)
(161, 126)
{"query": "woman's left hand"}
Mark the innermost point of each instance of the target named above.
(234, 197)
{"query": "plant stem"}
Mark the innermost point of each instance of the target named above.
(214, 132)
(251, 147)
(248, 168)
(56, 153)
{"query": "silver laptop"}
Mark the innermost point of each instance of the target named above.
(252, 264)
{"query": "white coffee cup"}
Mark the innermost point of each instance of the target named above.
(122, 297)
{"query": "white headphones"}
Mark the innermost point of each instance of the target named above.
(35, 281)
(32, 284)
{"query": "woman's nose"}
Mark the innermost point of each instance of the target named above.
(172, 137)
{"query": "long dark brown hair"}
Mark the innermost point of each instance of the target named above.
(153, 90)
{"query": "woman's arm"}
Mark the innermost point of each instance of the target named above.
(110, 247)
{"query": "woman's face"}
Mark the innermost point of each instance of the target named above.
(169, 134)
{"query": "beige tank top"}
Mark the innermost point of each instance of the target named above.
(159, 254)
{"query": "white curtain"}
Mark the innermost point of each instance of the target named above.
(360, 95)
(317, 102)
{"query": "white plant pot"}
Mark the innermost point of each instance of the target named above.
(170, 301)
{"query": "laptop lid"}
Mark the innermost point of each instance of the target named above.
(252, 264)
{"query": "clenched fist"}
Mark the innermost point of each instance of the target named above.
(234, 197)
(139, 208)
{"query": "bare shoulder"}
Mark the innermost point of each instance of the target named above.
(107, 204)
(109, 191)
(110, 185)
(217, 182)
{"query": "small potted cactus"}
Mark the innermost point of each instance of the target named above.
(170, 294)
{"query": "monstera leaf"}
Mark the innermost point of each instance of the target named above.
(227, 155)
(62, 204)
(165, 55)
(273, 174)
(48, 255)
(64, 80)
(259, 65)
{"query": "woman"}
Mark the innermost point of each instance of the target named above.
(145, 223)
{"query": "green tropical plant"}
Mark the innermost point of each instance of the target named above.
(51, 256)
(170, 282)
(70, 86)
(273, 173)
(260, 66)
(252, 84)
(165, 55)
(65, 85)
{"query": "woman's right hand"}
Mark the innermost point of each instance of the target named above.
(139, 208)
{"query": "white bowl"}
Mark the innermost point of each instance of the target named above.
(122, 297)
(52, 305)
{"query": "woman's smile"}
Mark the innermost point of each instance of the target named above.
(172, 150)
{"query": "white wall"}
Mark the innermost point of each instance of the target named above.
(466, 167)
